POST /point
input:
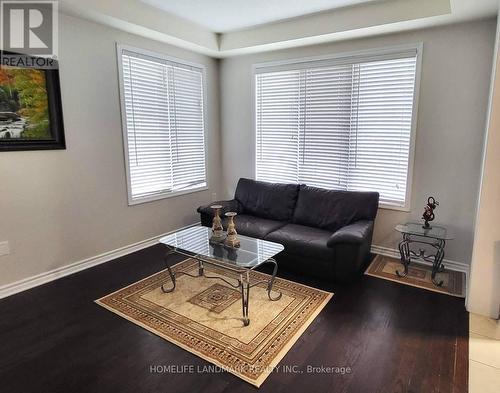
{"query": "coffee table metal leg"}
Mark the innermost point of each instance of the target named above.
(271, 281)
(171, 274)
(245, 296)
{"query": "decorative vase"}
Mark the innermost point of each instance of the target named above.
(232, 235)
(217, 229)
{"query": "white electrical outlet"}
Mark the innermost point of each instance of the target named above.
(214, 196)
(4, 248)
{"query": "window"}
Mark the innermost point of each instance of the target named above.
(343, 123)
(163, 125)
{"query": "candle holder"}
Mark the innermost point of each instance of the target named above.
(217, 229)
(232, 235)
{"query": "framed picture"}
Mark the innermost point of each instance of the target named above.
(30, 106)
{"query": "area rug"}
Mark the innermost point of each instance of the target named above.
(419, 275)
(204, 317)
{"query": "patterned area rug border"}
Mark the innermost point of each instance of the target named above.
(405, 281)
(269, 367)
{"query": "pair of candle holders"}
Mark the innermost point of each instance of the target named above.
(218, 236)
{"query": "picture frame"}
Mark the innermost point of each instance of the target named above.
(30, 105)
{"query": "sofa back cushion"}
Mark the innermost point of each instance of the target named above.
(267, 200)
(331, 209)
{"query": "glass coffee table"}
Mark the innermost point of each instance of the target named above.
(195, 243)
(415, 233)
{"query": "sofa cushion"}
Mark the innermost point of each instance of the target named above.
(255, 226)
(304, 241)
(268, 200)
(331, 209)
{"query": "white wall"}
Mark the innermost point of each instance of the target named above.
(484, 284)
(452, 111)
(58, 207)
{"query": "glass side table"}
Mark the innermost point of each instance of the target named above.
(415, 233)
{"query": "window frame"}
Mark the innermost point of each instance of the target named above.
(165, 194)
(368, 54)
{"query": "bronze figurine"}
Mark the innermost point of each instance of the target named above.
(428, 214)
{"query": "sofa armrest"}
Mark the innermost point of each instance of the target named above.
(227, 206)
(351, 246)
(355, 233)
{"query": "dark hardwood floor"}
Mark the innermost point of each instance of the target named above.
(394, 338)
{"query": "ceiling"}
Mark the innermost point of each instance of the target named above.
(222, 28)
(223, 16)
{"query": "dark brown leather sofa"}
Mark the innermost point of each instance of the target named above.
(326, 233)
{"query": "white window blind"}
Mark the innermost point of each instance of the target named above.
(342, 124)
(164, 125)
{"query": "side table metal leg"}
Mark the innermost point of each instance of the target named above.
(245, 295)
(271, 281)
(437, 266)
(201, 268)
(404, 251)
(172, 275)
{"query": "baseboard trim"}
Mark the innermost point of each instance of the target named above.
(392, 252)
(43, 278)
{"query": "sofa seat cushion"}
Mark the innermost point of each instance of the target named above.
(254, 226)
(302, 240)
(267, 200)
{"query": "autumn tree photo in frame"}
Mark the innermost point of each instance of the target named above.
(30, 105)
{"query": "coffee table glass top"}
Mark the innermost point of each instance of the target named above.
(435, 232)
(196, 240)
